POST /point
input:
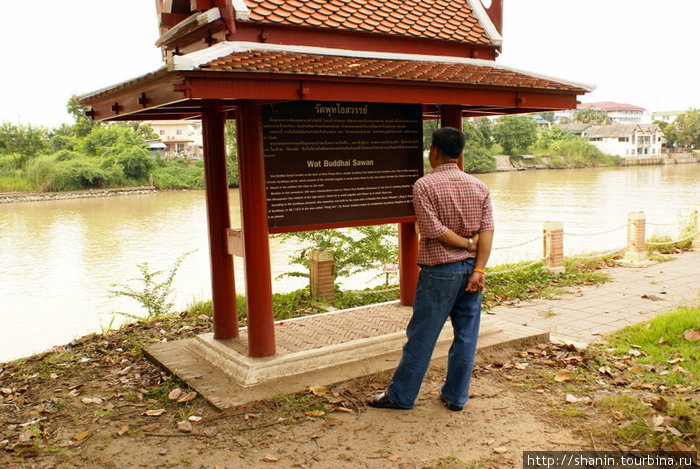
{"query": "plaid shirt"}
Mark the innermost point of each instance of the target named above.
(449, 198)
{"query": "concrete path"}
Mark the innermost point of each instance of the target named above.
(634, 295)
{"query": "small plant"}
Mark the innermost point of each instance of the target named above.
(154, 295)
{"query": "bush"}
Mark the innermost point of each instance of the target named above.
(178, 175)
(477, 160)
(137, 163)
(75, 173)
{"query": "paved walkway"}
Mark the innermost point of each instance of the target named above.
(634, 295)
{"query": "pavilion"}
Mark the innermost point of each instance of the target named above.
(227, 59)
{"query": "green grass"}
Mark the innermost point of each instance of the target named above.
(662, 369)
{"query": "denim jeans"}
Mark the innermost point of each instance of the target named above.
(440, 294)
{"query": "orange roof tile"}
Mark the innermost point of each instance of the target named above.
(413, 18)
(300, 63)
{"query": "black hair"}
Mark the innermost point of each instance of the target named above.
(449, 141)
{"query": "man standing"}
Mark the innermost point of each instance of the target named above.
(455, 219)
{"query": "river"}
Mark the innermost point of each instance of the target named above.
(58, 259)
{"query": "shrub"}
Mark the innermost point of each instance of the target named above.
(137, 163)
(477, 160)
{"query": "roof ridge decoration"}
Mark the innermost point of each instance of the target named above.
(195, 60)
(485, 20)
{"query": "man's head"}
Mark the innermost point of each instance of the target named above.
(447, 146)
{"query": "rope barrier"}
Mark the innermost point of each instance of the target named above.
(522, 267)
(691, 236)
(596, 255)
(595, 234)
(518, 245)
(661, 224)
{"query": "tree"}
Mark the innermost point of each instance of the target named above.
(485, 126)
(515, 133)
(83, 124)
(589, 115)
(23, 142)
(687, 126)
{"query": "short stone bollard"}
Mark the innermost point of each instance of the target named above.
(695, 228)
(554, 246)
(321, 277)
(636, 237)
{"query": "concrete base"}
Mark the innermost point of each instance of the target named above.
(227, 377)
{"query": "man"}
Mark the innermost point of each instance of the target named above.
(455, 219)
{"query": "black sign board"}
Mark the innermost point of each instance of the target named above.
(329, 163)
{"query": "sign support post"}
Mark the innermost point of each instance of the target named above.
(256, 244)
(218, 217)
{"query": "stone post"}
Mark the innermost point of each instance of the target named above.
(636, 237)
(321, 278)
(554, 246)
(695, 228)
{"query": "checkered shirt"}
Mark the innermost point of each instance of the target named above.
(449, 198)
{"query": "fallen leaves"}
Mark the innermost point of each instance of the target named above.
(154, 412)
(562, 375)
(691, 335)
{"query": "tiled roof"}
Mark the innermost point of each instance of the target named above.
(434, 19)
(299, 63)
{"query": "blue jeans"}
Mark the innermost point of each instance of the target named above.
(440, 294)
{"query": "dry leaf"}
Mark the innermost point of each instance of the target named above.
(662, 341)
(500, 450)
(319, 391)
(634, 352)
(194, 418)
(175, 394)
(657, 421)
(617, 415)
(315, 413)
(660, 404)
(190, 396)
(123, 430)
(680, 446)
(394, 458)
(81, 436)
(692, 335)
(674, 431)
(269, 458)
(184, 426)
(154, 412)
(570, 398)
(562, 375)
(343, 409)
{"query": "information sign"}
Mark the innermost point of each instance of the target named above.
(340, 162)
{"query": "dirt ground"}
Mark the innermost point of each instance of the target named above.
(100, 403)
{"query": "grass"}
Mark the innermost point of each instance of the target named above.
(643, 381)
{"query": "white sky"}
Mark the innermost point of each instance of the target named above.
(642, 52)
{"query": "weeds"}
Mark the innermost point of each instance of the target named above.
(154, 295)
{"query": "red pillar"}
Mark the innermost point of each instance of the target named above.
(216, 190)
(451, 116)
(256, 243)
(408, 262)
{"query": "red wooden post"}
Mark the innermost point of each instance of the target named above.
(256, 243)
(408, 262)
(451, 116)
(216, 190)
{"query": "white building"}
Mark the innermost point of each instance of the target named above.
(182, 138)
(617, 112)
(626, 140)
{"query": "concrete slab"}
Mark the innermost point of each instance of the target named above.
(314, 350)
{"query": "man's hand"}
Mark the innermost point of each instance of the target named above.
(476, 282)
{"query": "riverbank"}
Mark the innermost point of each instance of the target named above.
(524, 162)
(9, 197)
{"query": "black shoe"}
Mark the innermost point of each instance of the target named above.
(382, 401)
(452, 407)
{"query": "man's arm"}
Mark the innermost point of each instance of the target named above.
(451, 238)
(483, 251)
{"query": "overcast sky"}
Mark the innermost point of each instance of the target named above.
(642, 52)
